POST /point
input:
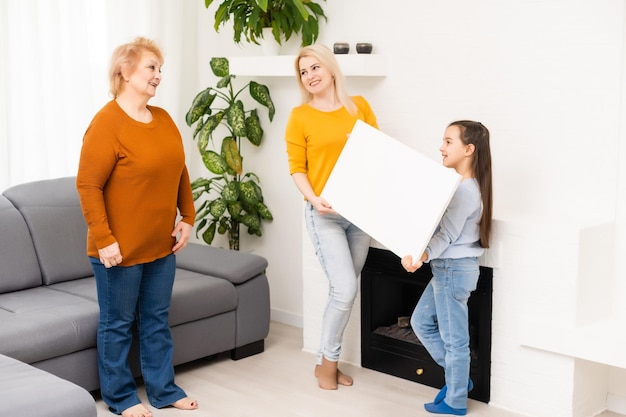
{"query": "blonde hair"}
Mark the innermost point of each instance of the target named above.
(327, 59)
(124, 60)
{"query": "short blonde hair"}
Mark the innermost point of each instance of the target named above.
(124, 60)
(327, 58)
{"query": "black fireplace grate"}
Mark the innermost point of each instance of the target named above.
(389, 295)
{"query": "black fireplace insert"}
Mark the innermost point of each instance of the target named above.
(388, 296)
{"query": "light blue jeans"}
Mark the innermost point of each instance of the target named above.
(440, 321)
(341, 248)
(141, 294)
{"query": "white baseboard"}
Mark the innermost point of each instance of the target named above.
(616, 403)
(286, 318)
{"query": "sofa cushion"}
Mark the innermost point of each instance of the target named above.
(42, 323)
(233, 265)
(197, 296)
(31, 392)
(194, 296)
(19, 269)
(57, 227)
(84, 288)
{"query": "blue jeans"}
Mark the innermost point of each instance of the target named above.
(341, 248)
(141, 294)
(440, 321)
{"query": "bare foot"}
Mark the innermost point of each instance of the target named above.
(186, 404)
(326, 374)
(138, 410)
(328, 382)
(344, 379)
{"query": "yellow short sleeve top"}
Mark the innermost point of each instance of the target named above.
(316, 138)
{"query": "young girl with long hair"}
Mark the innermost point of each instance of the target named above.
(440, 319)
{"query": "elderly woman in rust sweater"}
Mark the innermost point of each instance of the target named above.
(133, 183)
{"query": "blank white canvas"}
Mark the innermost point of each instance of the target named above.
(389, 190)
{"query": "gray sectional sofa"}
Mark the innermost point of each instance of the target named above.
(48, 305)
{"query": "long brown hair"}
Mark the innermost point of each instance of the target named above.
(477, 134)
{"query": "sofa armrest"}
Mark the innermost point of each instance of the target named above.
(235, 266)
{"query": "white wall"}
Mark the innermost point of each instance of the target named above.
(546, 77)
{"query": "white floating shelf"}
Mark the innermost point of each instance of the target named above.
(352, 65)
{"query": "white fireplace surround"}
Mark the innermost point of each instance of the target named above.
(554, 334)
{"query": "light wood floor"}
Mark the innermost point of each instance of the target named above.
(279, 383)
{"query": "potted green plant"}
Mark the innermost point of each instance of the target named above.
(284, 17)
(232, 197)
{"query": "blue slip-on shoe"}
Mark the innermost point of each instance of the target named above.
(442, 394)
(443, 408)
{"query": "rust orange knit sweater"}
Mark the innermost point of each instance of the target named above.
(131, 180)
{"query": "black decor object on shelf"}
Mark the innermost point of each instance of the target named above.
(364, 48)
(341, 48)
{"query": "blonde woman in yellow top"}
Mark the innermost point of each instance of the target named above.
(316, 133)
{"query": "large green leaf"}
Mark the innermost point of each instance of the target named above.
(225, 81)
(201, 105)
(303, 11)
(316, 9)
(217, 208)
(221, 14)
(209, 233)
(200, 183)
(203, 137)
(309, 31)
(236, 118)
(252, 221)
(198, 128)
(257, 190)
(214, 162)
(254, 131)
(234, 209)
(231, 154)
(261, 94)
(207, 129)
(230, 193)
(248, 193)
(223, 226)
(202, 211)
(200, 226)
(264, 212)
(220, 67)
(201, 215)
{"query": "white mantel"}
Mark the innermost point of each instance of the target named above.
(352, 65)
